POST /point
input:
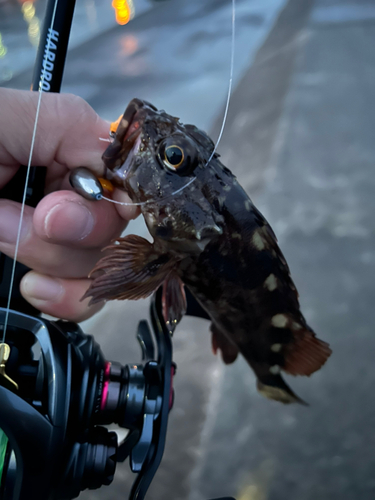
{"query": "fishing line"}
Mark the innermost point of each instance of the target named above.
(230, 80)
(27, 180)
(222, 125)
(150, 201)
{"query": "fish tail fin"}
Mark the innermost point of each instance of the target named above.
(274, 387)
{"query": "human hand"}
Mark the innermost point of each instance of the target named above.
(62, 238)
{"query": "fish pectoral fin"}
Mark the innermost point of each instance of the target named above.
(131, 270)
(173, 300)
(274, 387)
(229, 351)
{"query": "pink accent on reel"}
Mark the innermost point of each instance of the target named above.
(107, 371)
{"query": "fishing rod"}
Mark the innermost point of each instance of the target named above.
(57, 390)
(47, 77)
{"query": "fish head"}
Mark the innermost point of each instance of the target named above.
(163, 165)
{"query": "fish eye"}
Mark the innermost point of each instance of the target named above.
(178, 154)
(174, 156)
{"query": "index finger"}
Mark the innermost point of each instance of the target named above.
(67, 132)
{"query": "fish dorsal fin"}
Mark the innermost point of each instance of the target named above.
(133, 269)
(306, 353)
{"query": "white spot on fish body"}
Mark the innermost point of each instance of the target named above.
(258, 241)
(226, 188)
(248, 205)
(276, 347)
(296, 326)
(279, 320)
(270, 283)
(275, 369)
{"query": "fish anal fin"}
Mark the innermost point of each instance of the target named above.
(229, 351)
(173, 300)
(305, 354)
(131, 270)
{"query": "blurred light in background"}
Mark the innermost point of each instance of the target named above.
(33, 31)
(91, 13)
(6, 75)
(124, 10)
(3, 49)
(129, 45)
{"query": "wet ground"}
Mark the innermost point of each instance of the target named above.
(312, 132)
(300, 138)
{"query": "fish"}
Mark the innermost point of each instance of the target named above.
(209, 237)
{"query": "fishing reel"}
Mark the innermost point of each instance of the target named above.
(57, 392)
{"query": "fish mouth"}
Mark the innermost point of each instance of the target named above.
(131, 118)
(118, 156)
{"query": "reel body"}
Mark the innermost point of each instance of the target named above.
(57, 445)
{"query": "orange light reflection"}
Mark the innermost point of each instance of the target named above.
(124, 10)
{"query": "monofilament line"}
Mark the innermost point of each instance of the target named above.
(233, 43)
(140, 203)
(231, 71)
(26, 182)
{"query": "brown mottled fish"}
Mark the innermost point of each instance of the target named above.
(210, 237)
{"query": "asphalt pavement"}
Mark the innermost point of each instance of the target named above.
(300, 139)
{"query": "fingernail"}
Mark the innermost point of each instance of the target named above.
(9, 220)
(68, 221)
(41, 287)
